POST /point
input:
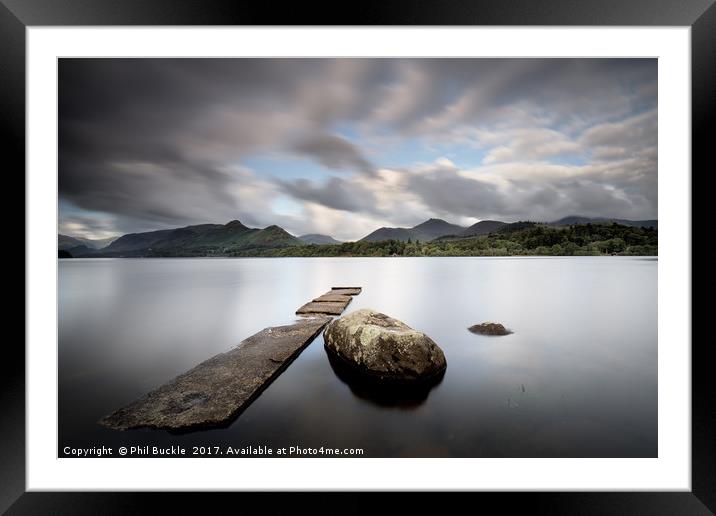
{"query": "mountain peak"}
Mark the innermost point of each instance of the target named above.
(234, 224)
(433, 222)
(434, 228)
(276, 230)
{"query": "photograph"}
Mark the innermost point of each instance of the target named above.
(351, 257)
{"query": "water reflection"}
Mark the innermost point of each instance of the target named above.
(401, 395)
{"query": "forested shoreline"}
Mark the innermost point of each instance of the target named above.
(529, 240)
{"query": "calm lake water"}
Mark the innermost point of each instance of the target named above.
(578, 378)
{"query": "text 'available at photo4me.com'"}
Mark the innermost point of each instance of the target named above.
(151, 451)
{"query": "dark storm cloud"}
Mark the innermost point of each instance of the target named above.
(130, 129)
(150, 143)
(454, 195)
(442, 94)
(333, 152)
(335, 193)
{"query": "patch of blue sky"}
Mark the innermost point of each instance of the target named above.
(288, 168)
(414, 151)
(403, 154)
(68, 209)
(574, 160)
(347, 130)
(386, 149)
(465, 157)
(284, 205)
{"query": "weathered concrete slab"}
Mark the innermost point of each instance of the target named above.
(333, 297)
(326, 308)
(217, 390)
(347, 291)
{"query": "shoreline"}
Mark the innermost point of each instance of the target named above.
(357, 256)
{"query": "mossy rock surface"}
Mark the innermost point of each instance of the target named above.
(383, 347)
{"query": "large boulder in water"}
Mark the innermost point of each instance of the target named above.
(384, 348)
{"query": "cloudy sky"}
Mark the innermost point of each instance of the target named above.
(344, 146)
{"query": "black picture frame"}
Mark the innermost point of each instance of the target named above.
(17, 15)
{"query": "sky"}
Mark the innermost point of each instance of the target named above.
(345, 146)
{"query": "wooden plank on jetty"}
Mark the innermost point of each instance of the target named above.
(332, 302)
(348, 291)
(325, 308)
(329, 297)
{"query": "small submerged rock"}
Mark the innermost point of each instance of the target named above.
(384, 348)
(489, 328)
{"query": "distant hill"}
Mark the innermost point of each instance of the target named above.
(99, 243)
(483, 228)
(272, 236)
(317, 239)
(190, 236)
(426, 231)
(577, 219)
(513, 227)
(434, 228)
(489, 227)
(381, 234)
(66, 242)
(202, 239)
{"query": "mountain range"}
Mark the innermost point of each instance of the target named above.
(428, 230)
(206, 239)
(232, 235)
(432, 229)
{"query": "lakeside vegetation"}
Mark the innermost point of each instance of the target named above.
(521, 239)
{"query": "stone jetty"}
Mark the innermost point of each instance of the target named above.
(216, 391)
(332, 302)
